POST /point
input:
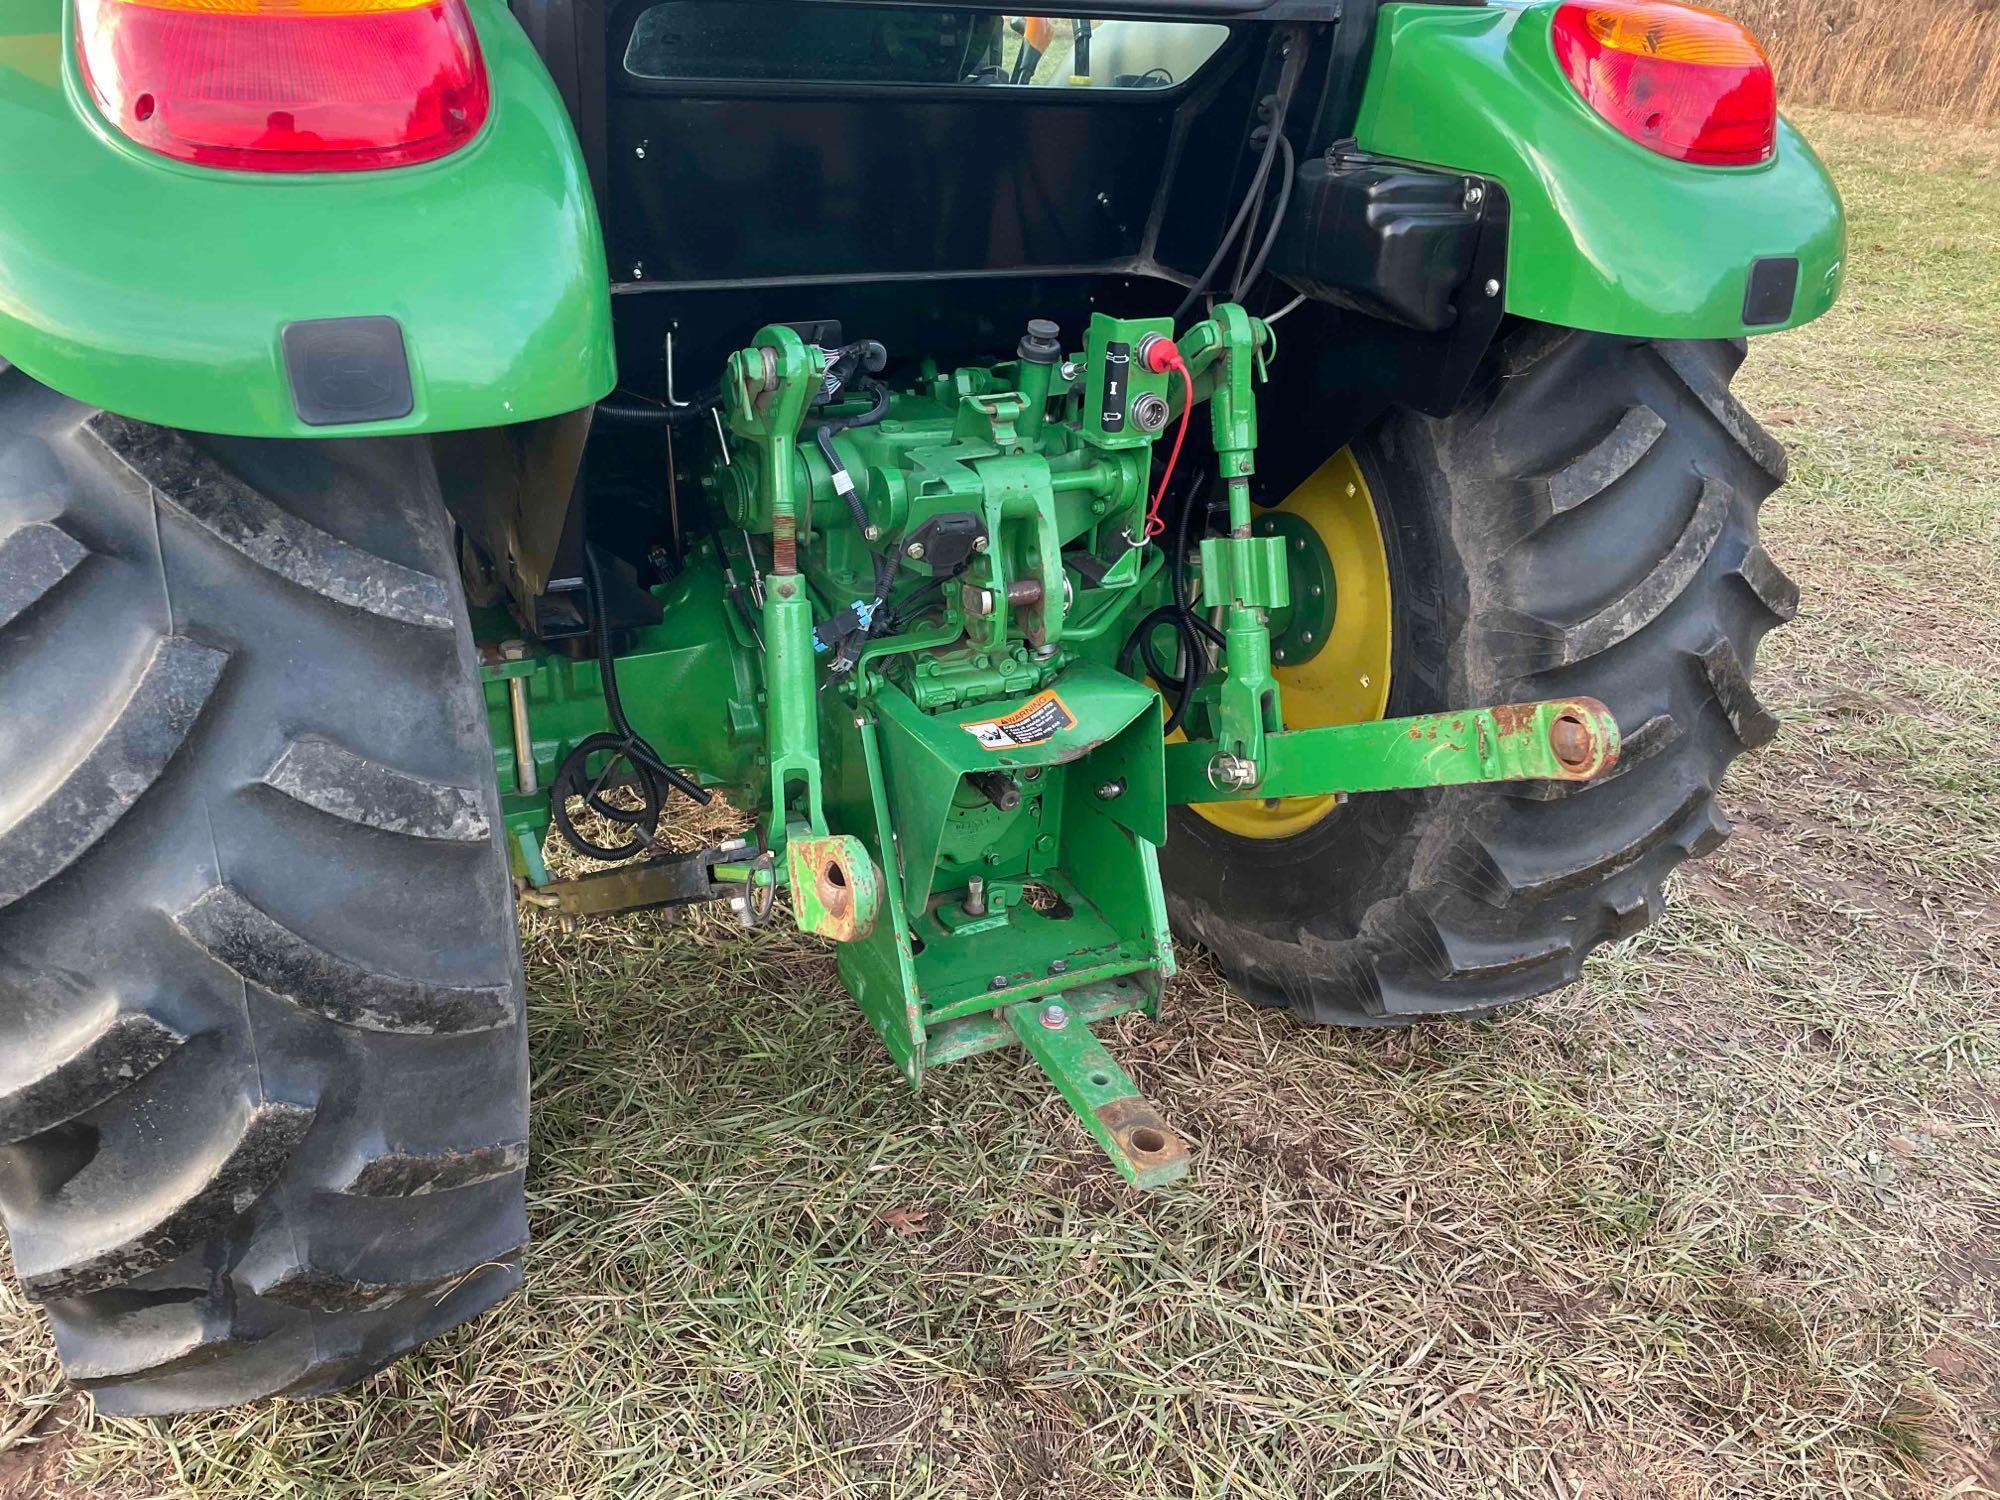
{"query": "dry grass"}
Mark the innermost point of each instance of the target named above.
(1939, 58)
(1724, 1220)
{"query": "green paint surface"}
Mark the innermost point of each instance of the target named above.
(157, 290)
(1606, 235)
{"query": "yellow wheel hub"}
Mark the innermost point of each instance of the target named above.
(1343, 678)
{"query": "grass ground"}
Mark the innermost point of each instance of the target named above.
(1724, 1220)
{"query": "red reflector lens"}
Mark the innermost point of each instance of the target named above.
(286, 85)
(1679, 80)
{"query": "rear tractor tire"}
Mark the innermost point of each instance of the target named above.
(263, 1079)
(1585, 525)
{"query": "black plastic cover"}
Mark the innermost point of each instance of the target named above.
(948, 540)
(1774, 286)
(1379, 239)
(345, 370)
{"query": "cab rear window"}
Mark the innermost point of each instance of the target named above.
(795, 41)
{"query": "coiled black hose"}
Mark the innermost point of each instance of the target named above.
(652, 778)
(1192, 628)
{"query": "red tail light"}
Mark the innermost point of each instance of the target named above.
(1679, 80)
(286, 85)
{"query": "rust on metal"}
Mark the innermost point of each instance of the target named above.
(836, 890)
(1578, 739)
(1141, 1134)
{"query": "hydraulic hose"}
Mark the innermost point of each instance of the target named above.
(1249, 278)
(1191, 627)
(653, 776)
(1288, 77)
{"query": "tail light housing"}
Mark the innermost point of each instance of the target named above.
(286, 85)
(1679, 80)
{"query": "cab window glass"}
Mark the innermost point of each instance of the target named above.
(787, 41)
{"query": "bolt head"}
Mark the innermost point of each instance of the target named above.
(1316, 591)
(1474, 195)
(1110, 791)
(1278, 655)
(873, 533)
(915, 549)
(997, 982)
(1492, 287)
(513, 650)
(1058, 966)
(979, 544)
(1054, 1017)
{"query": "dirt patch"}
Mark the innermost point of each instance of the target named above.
(32, 1467)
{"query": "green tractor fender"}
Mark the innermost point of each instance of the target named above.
(161, 291)
(1606, 235)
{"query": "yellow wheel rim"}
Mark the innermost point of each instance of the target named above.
(1345, 680)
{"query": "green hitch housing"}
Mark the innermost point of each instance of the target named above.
(926, 717)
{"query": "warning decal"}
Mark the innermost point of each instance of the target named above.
(1035, 722)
